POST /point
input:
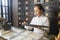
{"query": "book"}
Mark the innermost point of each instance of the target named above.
(36, 25)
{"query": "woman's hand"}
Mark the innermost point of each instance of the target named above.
(39, 27)
(24, 23)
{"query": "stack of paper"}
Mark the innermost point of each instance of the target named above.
(9, 35)
(18, 38)
(16, 30)
(26, 33)
(28, 38)
(35, 36)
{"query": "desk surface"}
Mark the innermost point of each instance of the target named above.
(1, 38)
(20, 34)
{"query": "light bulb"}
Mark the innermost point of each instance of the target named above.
(19, 18)
(19, 3)
(26, 2)
(46, 0)
(46, 7)
(26, 7)
(26, 13)
(58, 22)
(19, 13)
(46, 14)
(19, 8)
(26, 19)
(58, 14)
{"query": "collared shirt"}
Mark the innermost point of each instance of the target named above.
(42, 20)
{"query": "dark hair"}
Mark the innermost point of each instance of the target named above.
(40, 7)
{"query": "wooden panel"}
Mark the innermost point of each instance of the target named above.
(15, 12)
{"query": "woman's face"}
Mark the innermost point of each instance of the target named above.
(37, 11)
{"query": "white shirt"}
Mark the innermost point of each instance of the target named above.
(42, 20)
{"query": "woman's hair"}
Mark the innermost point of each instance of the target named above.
(40, 7)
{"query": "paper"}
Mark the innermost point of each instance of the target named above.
(26, 33)
(18, 38)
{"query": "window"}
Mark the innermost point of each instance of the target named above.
(5, 9)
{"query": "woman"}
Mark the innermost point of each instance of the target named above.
(39, 19)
